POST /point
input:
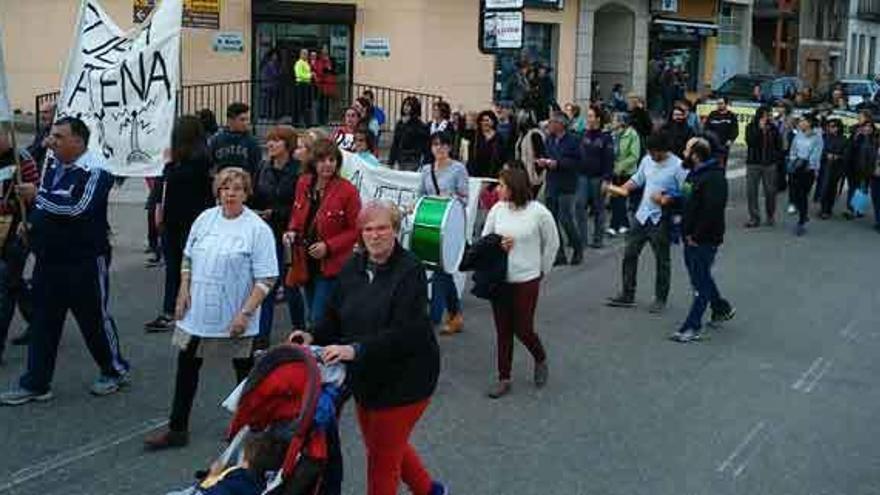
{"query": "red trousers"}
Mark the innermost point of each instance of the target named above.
(514, 314)
(390, 456)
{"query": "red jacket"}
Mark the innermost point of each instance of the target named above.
(325, 80)
(335, 221)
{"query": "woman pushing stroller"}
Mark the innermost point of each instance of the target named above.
(377, 323)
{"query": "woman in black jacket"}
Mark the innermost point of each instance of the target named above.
(273, 201)
(860, 161)
(377, 322)
(410, 145)
(833, 166)
(184, 191)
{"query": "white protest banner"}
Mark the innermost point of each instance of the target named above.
(402, 189)
(5, 112)
(123, 85)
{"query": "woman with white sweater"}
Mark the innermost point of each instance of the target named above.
(530, 238)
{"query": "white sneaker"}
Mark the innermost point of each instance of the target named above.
(611, 232)
(622, 230)
(792, 210)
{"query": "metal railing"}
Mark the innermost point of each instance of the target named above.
(273, 103)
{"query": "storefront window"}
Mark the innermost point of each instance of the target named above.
(539, 48)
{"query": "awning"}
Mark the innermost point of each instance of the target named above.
(694, 28)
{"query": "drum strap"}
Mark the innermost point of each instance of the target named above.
(434, 179)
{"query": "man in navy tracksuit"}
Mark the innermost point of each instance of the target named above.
(69, 237)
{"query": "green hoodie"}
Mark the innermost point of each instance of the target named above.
(628, 152)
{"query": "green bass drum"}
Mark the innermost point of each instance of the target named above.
(438, 232)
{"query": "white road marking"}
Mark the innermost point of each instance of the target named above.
(818, 376)
(740, 448)
(55, 462)
(850, 331)
(799, 384)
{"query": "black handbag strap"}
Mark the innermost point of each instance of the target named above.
(434, 179)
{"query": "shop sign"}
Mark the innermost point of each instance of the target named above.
(198, 14)
(504, 4)
(666, 6)
(545, 4)
(376, 47)
(231, 42)
(501, 31)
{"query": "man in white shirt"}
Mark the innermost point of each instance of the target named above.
(661, 176)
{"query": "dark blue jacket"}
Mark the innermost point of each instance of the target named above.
(235, 482)
(597, 154)
(235, 149)
(69, 222)
(566, 151)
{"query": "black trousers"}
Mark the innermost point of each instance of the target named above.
(187, 382)
(801, 184)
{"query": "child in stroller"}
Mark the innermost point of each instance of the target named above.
(289, 399)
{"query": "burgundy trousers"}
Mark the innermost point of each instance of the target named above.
(514, 314)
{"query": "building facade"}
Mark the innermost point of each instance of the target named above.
(433, 44)
(862, 34)
(821, 45)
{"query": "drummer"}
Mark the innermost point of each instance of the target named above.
(449, 178)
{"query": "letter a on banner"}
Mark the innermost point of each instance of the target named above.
(5, 112)
(123, 85)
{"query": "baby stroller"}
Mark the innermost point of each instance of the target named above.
(291, 397)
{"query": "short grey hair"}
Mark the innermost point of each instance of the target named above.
(559, 117)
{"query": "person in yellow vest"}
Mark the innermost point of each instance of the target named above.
(302, 73)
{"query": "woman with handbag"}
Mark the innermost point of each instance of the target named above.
(445, 177)
(804, 159)
(323, 228)
(273, 201)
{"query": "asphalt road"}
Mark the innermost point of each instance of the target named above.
(781, 401)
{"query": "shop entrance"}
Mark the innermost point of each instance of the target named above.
(281, 31)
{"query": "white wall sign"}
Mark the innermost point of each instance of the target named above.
(503, 4)
(123, 86)
(376, 47)
(231, 42)
(502, 31)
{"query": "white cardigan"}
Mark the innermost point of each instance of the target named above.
(535, 238)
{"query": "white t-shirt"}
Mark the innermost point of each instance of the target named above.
(227, 256)
(535, 238)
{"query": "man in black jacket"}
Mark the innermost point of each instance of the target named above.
(764, 153)
(725, 125)
(703, 230)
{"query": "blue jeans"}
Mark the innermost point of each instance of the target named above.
(444, 296)
(698, 260)
(562, 208)
(293, 297)
(589, 195)
(318, 292)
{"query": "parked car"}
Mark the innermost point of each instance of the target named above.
(857, 91)
(770, 88)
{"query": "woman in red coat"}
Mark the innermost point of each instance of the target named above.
(324, 223)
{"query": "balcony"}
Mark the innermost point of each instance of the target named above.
(868, 10)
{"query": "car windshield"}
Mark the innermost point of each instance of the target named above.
(738, 85)
(858, 88)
